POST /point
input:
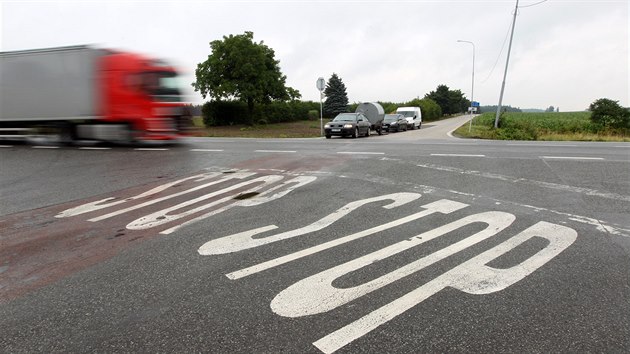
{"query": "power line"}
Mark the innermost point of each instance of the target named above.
(507, 34)
(505, 40)
(530, 5)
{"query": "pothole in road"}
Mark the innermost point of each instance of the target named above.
(246, 195)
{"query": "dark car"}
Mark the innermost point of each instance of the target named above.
(348, 124)
(394, 123)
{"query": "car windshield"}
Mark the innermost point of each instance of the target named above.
(406, 113)
(390, 118)
(345, 118)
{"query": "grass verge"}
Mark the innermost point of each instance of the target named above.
(299, 129)
(564, 126)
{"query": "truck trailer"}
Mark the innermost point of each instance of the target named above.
(85, 93)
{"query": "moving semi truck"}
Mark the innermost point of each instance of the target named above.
(85, 93)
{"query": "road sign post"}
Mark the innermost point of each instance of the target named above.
(321, 84)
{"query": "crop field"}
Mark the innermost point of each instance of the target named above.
(574, 126)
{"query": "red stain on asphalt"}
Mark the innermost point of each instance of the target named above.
(36, 248)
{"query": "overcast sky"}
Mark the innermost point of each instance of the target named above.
(565, 53)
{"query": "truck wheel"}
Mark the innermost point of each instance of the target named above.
(355, 134)
(379, 130)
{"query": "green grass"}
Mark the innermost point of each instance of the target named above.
(569, 126)
(299, 129)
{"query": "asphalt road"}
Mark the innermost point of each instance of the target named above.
(408, 242)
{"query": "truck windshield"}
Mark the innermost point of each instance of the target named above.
(161, 83)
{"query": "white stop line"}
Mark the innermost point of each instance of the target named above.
(316, 294)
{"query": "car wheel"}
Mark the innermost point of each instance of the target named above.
(367, 132)
(356, 132)
(327, 136)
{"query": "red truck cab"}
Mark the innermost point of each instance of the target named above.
(143, 93)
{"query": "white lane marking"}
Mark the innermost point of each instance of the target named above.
(543, 145)
(45, 147)
(162, 216)
(360, 153)
(316, 294)
(443, 206)
(260, 199)
(473, 276)
(570, 158)
(511, 179)
(244, 240)
(94, 148)
(241, 175)
(622, 146)
(100, 204)
(6, 146)
(151, 149)
(280, 151)
(459, 155)
(206, 150)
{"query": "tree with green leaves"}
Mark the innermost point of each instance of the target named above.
(430, 109)
(609, 113)
(336, 97)
(239, 68)
(450, 101)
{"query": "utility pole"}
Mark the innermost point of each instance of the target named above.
(496, 118)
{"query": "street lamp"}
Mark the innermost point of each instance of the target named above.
(472, 91)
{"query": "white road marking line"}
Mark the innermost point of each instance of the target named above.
(316, 294)
(245, 240)
(360, 153)
(260, 199)
(280, 151)
(151, 149)
(94, 148)
(237, 175)
(543, 145)
(443, 206)
(459, 155)
(6, 146)
(206, 150)
(164, 216)
(473, 276)
(511, 179)
(622, 146)
(570, 158)
(45, 147)
(101, 204)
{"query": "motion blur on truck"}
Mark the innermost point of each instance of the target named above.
(68, 94)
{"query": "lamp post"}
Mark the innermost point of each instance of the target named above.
(472, 91)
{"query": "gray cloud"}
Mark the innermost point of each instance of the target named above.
(565, 53)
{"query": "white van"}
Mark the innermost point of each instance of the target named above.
(413, 115)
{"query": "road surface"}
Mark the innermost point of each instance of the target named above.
(397, 243)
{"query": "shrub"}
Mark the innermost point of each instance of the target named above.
(218, 113)
(313, 114)
(609, 114)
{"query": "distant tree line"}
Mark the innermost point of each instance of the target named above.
(485, 109)
(245, 85)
